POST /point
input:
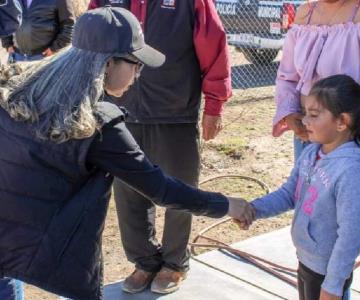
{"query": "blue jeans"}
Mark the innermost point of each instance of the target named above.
(347, 294)
(14, 57)
(299, 146)
(11, 289)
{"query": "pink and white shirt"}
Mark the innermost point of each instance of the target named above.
(310, 53)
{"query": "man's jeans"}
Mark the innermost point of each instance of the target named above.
(14, 57)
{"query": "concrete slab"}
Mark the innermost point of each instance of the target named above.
(203, 283)
(234, 278)
(273, 246)
(276, 247)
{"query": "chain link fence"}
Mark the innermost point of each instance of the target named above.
(255, 31)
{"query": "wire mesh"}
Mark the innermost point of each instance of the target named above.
(255, 32)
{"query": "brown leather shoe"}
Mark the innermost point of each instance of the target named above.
(167, 281)
(137, 281)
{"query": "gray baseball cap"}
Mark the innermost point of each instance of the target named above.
(116, 31)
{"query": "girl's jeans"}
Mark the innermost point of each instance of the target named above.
(309, 284)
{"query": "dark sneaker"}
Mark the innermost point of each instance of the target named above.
(137, 281)
(167, 281)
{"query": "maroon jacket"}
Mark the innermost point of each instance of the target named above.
(191, 35)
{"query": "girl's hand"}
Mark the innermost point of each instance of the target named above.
(324, 295)
(294, 121)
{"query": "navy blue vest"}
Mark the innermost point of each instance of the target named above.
(52, 210)
(171, 93)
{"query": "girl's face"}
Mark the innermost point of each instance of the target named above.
(120, 75)
(323, 128)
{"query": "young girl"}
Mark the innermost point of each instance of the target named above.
(324, 190)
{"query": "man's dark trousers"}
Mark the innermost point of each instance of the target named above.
(175, 148)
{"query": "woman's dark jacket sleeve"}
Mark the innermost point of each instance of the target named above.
(116, 152)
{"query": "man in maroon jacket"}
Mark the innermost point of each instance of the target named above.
(163, 108)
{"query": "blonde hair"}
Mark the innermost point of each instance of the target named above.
(57, 95)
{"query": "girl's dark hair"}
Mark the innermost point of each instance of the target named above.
(340, 94)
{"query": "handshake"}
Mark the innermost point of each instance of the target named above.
(242, 212)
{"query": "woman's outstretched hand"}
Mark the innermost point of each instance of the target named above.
(241, 211)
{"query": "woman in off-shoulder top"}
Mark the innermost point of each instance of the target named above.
(324, 41)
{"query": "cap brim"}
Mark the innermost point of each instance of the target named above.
(149, 56)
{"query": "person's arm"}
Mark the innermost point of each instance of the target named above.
(347, 246)
(288, 108)
(115, 151)
(287, 97)
(213, 55)
(10, 17)
(66, 18)
(279, 201)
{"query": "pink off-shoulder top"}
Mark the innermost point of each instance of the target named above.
(310, 53)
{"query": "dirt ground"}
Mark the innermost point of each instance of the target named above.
(244, 147)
